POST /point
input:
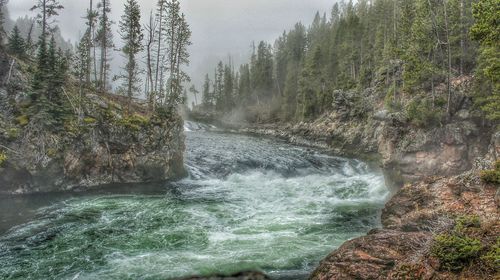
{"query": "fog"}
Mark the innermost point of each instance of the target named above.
(220, 27)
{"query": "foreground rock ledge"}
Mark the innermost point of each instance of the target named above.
(402, 249)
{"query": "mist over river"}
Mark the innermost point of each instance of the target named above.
(248, 204)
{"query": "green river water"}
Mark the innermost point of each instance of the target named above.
(248, 204)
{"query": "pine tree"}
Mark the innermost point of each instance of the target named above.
(150, 29)
(104, 39)
(42, 76)
(487, 32)
(207, 95)
(16, 45)
(47, 10)
(3, 3)
(228, 87)
(81, 63)
(177, 40)
(219, 87)
(131, 34)
(88, 39)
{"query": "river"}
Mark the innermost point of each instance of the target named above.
(249, 203)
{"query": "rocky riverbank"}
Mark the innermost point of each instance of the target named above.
(435, 174)
(96, 139)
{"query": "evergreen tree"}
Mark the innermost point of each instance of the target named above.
(47, 10)
(207, 95)
(486, 31)
(3, 4)
(16, 45)
(45, 58)
(81, 63)
(88, 41)
(131, 34)
(104, 39)
(245, 85)
(177, 40)
(228, 89)
(219, 87)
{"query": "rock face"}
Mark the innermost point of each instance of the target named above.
(406, 153)
(99, 154)
(401, 250)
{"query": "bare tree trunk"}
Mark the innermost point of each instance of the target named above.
(462, 36)
(89, 47)
(158, 54)
(104, 42)
(150, 28)
(172, 59)
(435, 27)
(44, 20)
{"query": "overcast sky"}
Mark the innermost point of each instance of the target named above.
(220, 27)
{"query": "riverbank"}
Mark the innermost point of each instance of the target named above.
(434, 172)
(427, 200)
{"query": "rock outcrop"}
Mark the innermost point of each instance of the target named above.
(411, 220)
(95, 140)
(407, 153)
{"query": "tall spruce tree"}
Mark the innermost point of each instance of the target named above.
(47, 9)
(16, 44)
(486, 31)
(177, 39)
(131, 34)
(3, 4)
(104, 39)
(207, 94)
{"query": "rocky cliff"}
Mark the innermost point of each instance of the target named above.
(406, 152)
(95, 140)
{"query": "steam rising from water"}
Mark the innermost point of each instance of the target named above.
(249, 204)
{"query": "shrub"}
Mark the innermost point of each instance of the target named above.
(492, 176)
(52, 153)
(23, 120)
(13, 133)
(492, 257)
(389, 101)
(455, 251)
(3, 158)
(467, 221)
(134, 122)
(89, 120)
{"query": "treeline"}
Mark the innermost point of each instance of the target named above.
(404, 48)
(164, 39)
